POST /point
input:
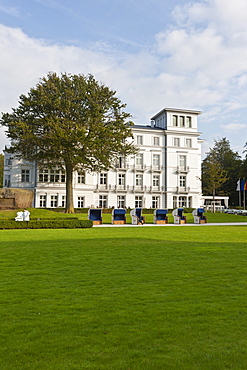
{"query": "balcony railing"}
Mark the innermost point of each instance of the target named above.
(183, 169)
(182, 189)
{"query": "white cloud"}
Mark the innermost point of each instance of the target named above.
(197, 63)
(235, 127)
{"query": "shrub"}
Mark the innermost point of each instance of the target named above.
(46, 224)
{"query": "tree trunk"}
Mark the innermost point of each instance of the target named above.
(69, 190)
(213, 200)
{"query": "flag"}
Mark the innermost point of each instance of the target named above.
(242, 185)
(238, 185)
(245, 185)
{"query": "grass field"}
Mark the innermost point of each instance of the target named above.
(132, 298)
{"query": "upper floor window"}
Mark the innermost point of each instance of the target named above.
(52, 175)
(25, 175)
(81, 177)
(182, 162)
(182, 181)
(156, 180)
(121, 179)
(139, 159)
(156, 140)
(175, 120)
(139, 180)
(188, 143)
(176, 141)
(181, 121)
(103, 179)
(156, 160)
(188, 121)
(139, 139)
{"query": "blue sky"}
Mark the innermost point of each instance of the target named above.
(154, 53)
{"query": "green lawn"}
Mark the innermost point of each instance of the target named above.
(124, 298)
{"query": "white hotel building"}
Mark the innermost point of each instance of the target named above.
(165, 173)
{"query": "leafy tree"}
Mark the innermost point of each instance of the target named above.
(227, 173)
(71, 121)
(1, 169)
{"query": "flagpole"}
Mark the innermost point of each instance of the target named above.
(244, 193)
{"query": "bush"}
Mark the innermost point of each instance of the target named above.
(46, 224)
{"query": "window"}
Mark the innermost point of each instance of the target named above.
(121, 201)
(80, 202)
(54, 175)
(103, 201)
(175, 120)
(121, 162)
(103, 179)
(182, 162)
(182, 181)
(139, 180)
(138, 201)
(176, 141)
(139, 159)
(53, 201)
(188, 143)
(156, 140)
(156, 180)
(182, 201)
(139, 139)
(63, 201)
(80, 177)
(181, 121)
(8, 161)
(156, 160)
(155, 202)
(42, 201)
(25, 175)
(188, 121)
(7, 181)
(121, 179)
(43, 175)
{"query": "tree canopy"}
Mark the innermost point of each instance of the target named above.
(71, 121)
(220, 170)
(1, 169)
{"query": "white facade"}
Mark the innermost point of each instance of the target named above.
(165, 173)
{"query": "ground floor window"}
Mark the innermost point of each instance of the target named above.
(155, 202)
(53, 201)
(138, 201)
(42, 201)
(121, 201)
(80, 202)
(103, 201)
(182, 202)
(63, 201)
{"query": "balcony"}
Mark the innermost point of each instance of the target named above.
(182, 189)
(128, 188)
(183, 169)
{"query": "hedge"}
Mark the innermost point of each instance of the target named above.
(46, 224)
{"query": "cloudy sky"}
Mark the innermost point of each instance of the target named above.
(154, 53)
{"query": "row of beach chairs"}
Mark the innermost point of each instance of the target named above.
(160, 216)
